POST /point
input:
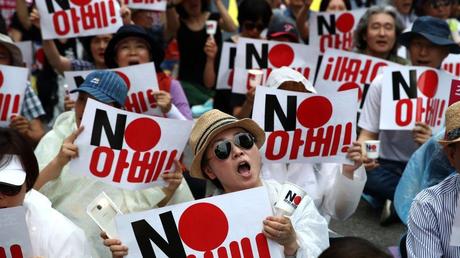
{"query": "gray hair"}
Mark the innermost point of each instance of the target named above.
(361, 28)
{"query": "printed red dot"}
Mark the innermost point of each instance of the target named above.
(125, 78)
(113, 20)
(40, 56)
(345, 22)
(281, 55)
(203, 227)
(142, 134)
(314, 112)
(427, 83)
(352, 85)
(80, 2)
(1, 78)
(297, 200)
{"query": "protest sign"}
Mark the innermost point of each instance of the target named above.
(226, 65)
(125, 149)
(268, 55)
(333, 30)
(303, 127)
(13, 83)
(155, 5)
(26, 48)
(141, 81)
(451, 64)
(454, 92)
(212, 227)
(14, 239)
(77, 18)
(342, 70)
(414, 94)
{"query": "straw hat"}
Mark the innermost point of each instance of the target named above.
(209, 125)
(452, 125)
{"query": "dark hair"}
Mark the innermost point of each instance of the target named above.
(325, 3)
(417, 5)
(254, 10)
(86, 44)
(361, 28)
(11, 142)
(183, 13)
(344, 247)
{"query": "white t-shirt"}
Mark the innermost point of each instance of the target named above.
(397, 145)
(52, 235)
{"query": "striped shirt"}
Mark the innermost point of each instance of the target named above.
(431, 218)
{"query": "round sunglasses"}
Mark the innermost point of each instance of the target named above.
(242, 140)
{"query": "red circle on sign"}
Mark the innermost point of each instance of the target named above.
(314, 112)
(345, 22)
(80, 2)
(125, 78)
(351, 85)
(281, 55)
(427, 83)
(1, 78)
(142, 134)
(203, 227)
(297, 200)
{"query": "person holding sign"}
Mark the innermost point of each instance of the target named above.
(71, 194)
(51, 234)
(28, 123)
(433, 227)
(132, 45)
(377, 32)
(428, 43)
(334, 188)
(227, 153)
(187, 21)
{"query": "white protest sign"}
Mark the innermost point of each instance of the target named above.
(342, 70)
(26, 48)
(305, 128)
(268, 55)
(226, 65)
(414, 94)
(13, 83)
(77, 18)
(156, 5)
(451, 64)
(212, 227)
(14, 239)
(333, 30)
(128, 150)
(141, 81)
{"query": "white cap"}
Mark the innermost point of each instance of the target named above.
(284, 74)
(12, 173)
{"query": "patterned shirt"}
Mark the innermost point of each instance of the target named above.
(431, 218)
(81, 65)
(32, 107)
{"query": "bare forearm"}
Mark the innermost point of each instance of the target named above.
(23, 13)
(227, 22)
(49, 173)
(209, 76)
(172, 23)
(57, 61)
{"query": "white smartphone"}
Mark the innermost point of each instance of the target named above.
(103, 211)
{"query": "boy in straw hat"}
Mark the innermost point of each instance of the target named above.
(227, 153)
(433, 211)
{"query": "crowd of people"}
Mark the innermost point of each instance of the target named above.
(415, 180)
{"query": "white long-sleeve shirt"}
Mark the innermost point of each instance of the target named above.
(334, 194)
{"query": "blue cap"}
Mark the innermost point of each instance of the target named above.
(433, 29)
(105, 86)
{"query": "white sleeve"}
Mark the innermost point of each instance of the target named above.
(174, 113)
(341, 197)
(311, 229)
(369, 118)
